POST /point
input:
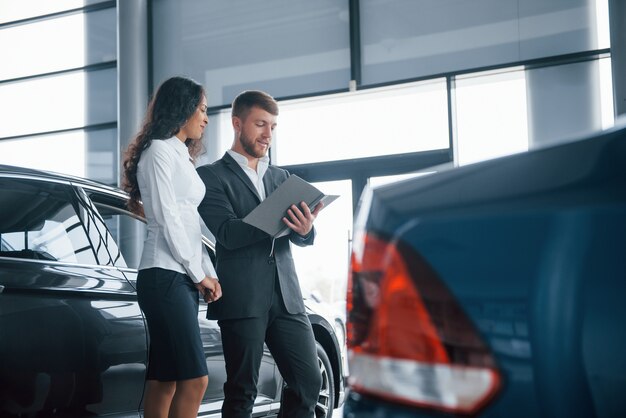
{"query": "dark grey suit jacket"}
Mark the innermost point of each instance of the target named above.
(246, 271)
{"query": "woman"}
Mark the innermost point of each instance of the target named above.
(159, 171)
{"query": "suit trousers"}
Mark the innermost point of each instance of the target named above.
(290, 339)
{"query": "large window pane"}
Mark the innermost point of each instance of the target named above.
(58, 102)
(286, 47)
(606, 93)
(102, 159)
(90, 154)
(564, 102)
(370, 123)
(404, 39)
(11, 10)
(56, 44)
(323, 267)
(602, 23)
(218, 137)
(383, 180)
(43, 152)
(554, 27)
(491, 116)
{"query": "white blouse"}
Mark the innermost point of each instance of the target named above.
(171, 191)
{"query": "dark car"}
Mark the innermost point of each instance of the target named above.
(73, 341)
(495, 290)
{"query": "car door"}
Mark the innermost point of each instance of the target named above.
(72, 340)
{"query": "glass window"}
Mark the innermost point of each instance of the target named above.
(285, 47)
(606, 93)
(556, 27)
(35, 152)
(64, 101)
(38, 221)
(102, 159)
(56, 44)
(11, 10)
(602, 23)
(491, 116)
(564, 102)
(395, 120)
(383, 180)
(91, 154)
(218, 137)
(127, 230)
(323, 267)
(104, 245)
(404, 39)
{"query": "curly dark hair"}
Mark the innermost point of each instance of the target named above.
(174, 102)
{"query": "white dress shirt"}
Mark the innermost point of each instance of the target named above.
(256, 177)
(171, 191)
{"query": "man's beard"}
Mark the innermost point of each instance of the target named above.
(248, 146)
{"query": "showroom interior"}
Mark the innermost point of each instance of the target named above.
(370, 91)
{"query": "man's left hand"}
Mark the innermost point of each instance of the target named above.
(301, 220)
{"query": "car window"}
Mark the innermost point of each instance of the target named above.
(129, 230)
(39, 221)
(104, 244)
(126, 229)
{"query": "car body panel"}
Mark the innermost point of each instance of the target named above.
(532, 247)
(80, 335)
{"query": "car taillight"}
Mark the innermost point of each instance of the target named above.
(409, 341)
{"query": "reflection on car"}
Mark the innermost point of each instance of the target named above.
(73, 341)
(494, 289)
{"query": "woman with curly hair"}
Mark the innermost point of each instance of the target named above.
(163, 185)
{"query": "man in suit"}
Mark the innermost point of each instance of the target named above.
(261, 297)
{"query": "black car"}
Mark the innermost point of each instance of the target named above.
(73, 341)
(495, 289)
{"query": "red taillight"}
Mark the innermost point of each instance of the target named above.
(408, 339)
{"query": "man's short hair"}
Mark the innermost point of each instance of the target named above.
(248, 99)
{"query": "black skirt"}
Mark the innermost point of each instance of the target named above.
(169, 301)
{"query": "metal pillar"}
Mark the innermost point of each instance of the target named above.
(617, 22)
(132, 96)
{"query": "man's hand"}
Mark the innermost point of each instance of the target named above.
(210, 289)
(301, 221)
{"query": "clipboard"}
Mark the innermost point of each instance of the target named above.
(268, 216)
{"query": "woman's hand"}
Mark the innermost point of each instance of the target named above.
(210, 289)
